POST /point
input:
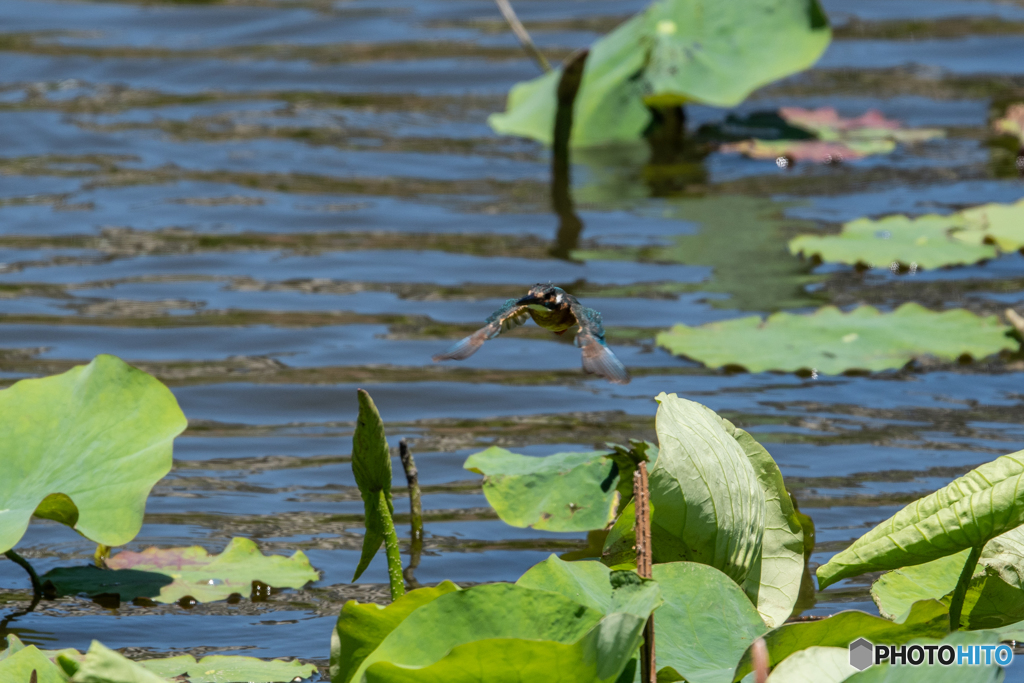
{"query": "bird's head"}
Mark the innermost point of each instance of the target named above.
(544, 296)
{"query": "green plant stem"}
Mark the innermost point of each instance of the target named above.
(956, 606)
(37, 585)
(644, 566)
(101, 555)
(391, 548)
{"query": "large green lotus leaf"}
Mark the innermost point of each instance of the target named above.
(925, 241)
(970, 511)
(714, 52)
(831, 341)
(608, 106)
(995, 596)
(705, 625)
(103, 665)
(1001, 224)
(936, 673)
(773, 584)
(585, 582)
(461, 636)
(18, 667)
(710, 505)
(361, 628)
(560, 492)
(599, 657)
(371, 466)
(207, 577)
(84, 448)
(718, 51)
(925, 619)
(228, 669)
(816, 664)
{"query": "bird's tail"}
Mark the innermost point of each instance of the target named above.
(598, 359)
(464, 348)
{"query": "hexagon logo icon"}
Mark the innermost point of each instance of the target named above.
(862, 654)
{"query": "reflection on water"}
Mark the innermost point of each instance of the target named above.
(269, 204)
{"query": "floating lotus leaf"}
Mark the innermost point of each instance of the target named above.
(818, 151)
(827, 124)
(927, 241)
(995, 596)
(560, 492)
(675, 51)
(84, 448)
(1000, 224)
(969, 512)
(1012, 123)
(228, 669)
(90, 580)
(831, 341)
(102, 665)
(838, 138)
(207, 577)
(926, 619)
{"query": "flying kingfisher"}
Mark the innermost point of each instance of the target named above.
(553, 309)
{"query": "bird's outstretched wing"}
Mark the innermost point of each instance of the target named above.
(598, 359)
(502, 320)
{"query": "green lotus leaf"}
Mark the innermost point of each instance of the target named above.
(103, 665)
(969, 512)
(925, 619)
(14, 645)
(936, 673)
(371, 466)
(619, 551)
(830, 341)
(501, 632)
(999, 224)
(926, 241)
(587, 583)
(674, 51)
(773, 584)
(710, 504)
(816, 664)
(705, 625)
(85, 448)
(207, 577)
(19, 665)
(560, 492)
(228, 669)
(361, 628)
(995, 596)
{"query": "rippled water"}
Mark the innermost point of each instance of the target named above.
(268, 204)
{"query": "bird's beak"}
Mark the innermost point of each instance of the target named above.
(527, 300)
